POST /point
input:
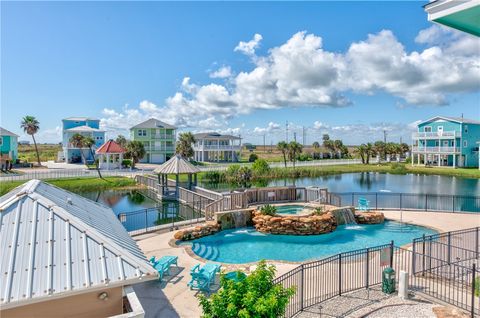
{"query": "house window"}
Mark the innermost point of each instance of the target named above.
(142, 132)
(465, 144)
(466, 129)
(427, 129)
(436, 143)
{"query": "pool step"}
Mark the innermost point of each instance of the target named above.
(207, 252)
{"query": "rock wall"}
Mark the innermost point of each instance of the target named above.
(369, 217)
(338, 213)
(211, 227)
(295, 225)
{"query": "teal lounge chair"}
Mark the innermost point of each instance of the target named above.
(162, 265)
(363, 205)
(202, 278)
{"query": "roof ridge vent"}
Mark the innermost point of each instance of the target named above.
(69, 201)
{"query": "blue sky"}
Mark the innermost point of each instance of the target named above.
(123, 62)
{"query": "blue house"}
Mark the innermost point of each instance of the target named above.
(8, 147)
(86, 127)
(447, 141)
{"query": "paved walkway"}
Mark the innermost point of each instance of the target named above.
(175, 299)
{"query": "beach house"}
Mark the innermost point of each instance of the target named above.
(86, 127)
(447, 141)
(212, 146)
(8, 147)
(157, 137)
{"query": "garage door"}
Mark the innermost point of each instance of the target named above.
(157, 158)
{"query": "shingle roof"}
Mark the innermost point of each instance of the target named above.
(83, 128)
(110, 147)
(55, 243)
(80, 118)
(176, 165)
(214, 135)
(4, 132)
(153, 123)
(454, 119)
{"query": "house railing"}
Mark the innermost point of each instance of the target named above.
(320, 280)
(436, 149)
(437, 134)
(413, 201)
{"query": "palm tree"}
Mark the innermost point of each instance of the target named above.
(316, 148)
(368, 152)
(404, 148)
(184, 145)
(89, 143)
(294, 149)
(390, 149)
(328, 144)
(283, 147)
(338, 147)
(361, 151)
(135, 150)
(31, 126)
(78, 141)
(121, 140)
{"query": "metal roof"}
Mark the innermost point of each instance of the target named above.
(4, 132)
(214, 135)
(454, 119)
(153, 123)
(55, 243)
(83, 128)
(177, 165)
(81, 118)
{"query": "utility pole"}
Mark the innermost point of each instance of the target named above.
(385, 144)
(303, 136)
(286, 131)
(294, 136)
(264, 147)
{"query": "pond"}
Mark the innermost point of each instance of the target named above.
(379, 182)
(141, 211)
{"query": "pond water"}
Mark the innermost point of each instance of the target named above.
(141, 211)
(245, 245)
(378, 182)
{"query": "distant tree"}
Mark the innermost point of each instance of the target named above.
(338, 146)
(78, 141)
(89, 143)
(135, 150)
(404, 148)
(31, 126)
(316, 149)
(253, 157)
(121, 140)
(379, 149)
(260, 167)
(368, 152)
(294, 149)
(361, 151)
(283, 147)
(184, 145)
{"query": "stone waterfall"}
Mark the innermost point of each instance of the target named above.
(344, 215)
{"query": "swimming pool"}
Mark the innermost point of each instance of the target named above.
(289, 209)
(245, 245)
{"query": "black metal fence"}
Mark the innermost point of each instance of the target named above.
(167, 215)
(413, 201)
(317, 281)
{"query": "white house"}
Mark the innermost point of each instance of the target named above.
(213, 146)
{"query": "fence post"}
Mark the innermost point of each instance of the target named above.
(301, 288)
(391, 253)
(453, 203)
(423, 255)
(476, 241)
(146, 226)
(400, 201)
(353, 198)
(376, 200)
(449, 247)
(472, 313)
(426, 196)
(367, 269)
(340, 274)
(414, 249)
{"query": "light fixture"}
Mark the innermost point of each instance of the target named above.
(103, 296)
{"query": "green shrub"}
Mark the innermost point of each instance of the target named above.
(398, 168)
(304, 157)
(260, 167)
(255, 296)
(238, 174)
(268, 209)
(215, 176)
(127, 163)
(252, 157)
(408, 160)
(318, 211)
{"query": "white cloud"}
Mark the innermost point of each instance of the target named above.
(271, 127)
(248, 48)
(222, 72)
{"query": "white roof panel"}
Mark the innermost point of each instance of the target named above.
(55, 242)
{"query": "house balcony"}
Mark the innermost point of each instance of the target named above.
(161, 149)
(439, 150)
(437, 135)
(163, 137)
(217, 148)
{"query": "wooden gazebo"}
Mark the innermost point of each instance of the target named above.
(177, 165)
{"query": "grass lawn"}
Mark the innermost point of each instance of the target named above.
(47, 152)
(79, 184)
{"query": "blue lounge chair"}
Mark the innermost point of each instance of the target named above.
(203, 277)
(363, 205)
(162, 265)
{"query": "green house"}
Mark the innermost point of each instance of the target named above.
(8, 145)
(158, 139)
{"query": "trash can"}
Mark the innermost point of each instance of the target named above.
(388, 280)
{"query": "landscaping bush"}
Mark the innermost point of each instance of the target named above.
(252, 157)
(255, 296)
(214, 176)
(304, 157)
(238, 174)
(398, 168)
(126, 163)
(268, 209)
(408, 160)
(260, 167)
(318, 211)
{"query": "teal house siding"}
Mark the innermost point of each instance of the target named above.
(447, 141)
(86, 127)
(8, 145)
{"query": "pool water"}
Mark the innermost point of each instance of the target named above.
(289, 209)
(245, 245)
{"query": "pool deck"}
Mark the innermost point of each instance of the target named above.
(172, 297)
